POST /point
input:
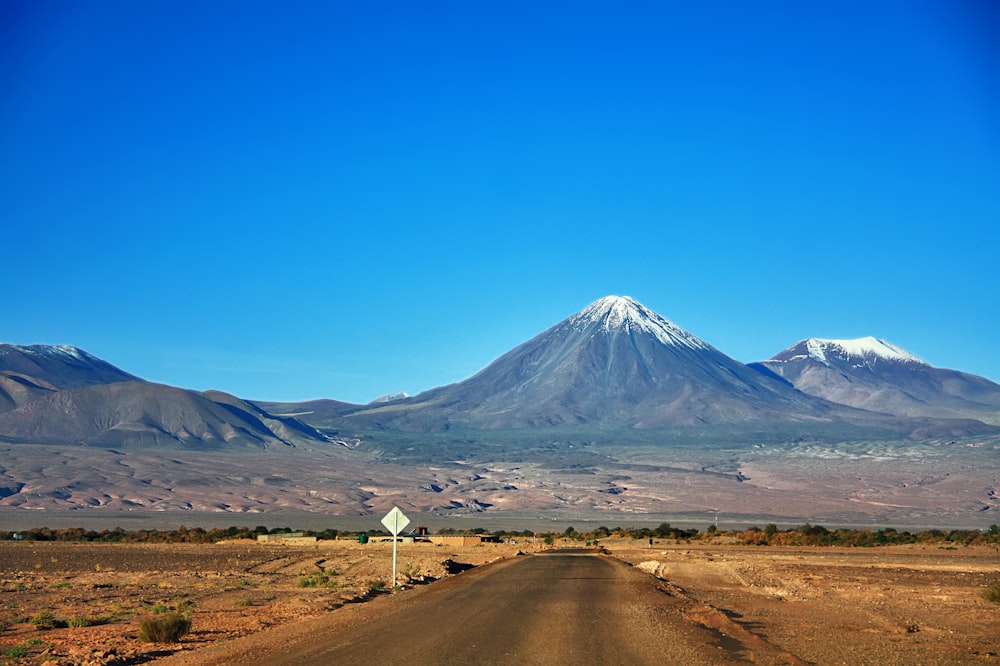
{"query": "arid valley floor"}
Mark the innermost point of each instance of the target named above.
(918, 604)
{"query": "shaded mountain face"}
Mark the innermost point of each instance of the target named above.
(59, 366)
(615, 362)
(876, 375)
(33, 371)
(63, 395)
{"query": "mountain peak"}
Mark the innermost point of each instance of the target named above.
(868, 348)
(63, 366)
(625, 314)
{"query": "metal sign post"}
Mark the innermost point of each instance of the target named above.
(395, 521)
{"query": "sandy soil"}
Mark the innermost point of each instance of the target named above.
(891, 605)
(899, 605)
(231, 589)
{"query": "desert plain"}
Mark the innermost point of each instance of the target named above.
(913, 604)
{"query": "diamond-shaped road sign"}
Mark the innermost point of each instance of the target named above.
(395, 521)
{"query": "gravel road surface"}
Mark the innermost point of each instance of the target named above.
(554, 608)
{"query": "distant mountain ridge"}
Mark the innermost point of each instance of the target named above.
(61, 366)
(29, 372)
(876, 375)
(64, 395)
(615, 363)
(614, 410)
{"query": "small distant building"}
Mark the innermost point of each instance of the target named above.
(462, 539)
(295, 538)
(420, 535)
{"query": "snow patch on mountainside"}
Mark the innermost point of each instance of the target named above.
(382, 399)
(47, 351)
(622, 313)
(63, 350)
(867, 348)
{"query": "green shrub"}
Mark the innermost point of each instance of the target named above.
(17, 652)
(167, 628)
(319, 579)
(992, 593)
(84, 621)
(46, 620)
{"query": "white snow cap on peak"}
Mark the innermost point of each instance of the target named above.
(867, 348)
(50, 351)
(68, 350)
(615, 313)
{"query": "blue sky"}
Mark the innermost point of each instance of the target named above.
(346, 199)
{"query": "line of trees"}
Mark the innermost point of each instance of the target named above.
(180, 535)
(770, 535)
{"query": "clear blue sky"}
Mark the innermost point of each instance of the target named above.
(345, 199)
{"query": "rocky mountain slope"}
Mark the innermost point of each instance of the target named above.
(63, 395)
(29, 372)
(614, 411)
(616, 364)
(876, 375)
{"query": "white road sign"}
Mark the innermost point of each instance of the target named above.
(395, 521)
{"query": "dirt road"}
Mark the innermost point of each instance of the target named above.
(680, 602)
(559, 607)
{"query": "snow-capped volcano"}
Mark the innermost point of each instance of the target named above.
(866, 350)
(876, 375)
(624, 313)
(614, 362)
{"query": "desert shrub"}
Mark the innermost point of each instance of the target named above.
(992, 593)
(319, 579)
(185, 605)
(17, 652)
(46, 620)
(167, 628)
(248, 600)
(84, 621)
(158, 608)
(375, 585)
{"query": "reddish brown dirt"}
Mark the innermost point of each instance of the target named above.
(230, 590)
(900, 605)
